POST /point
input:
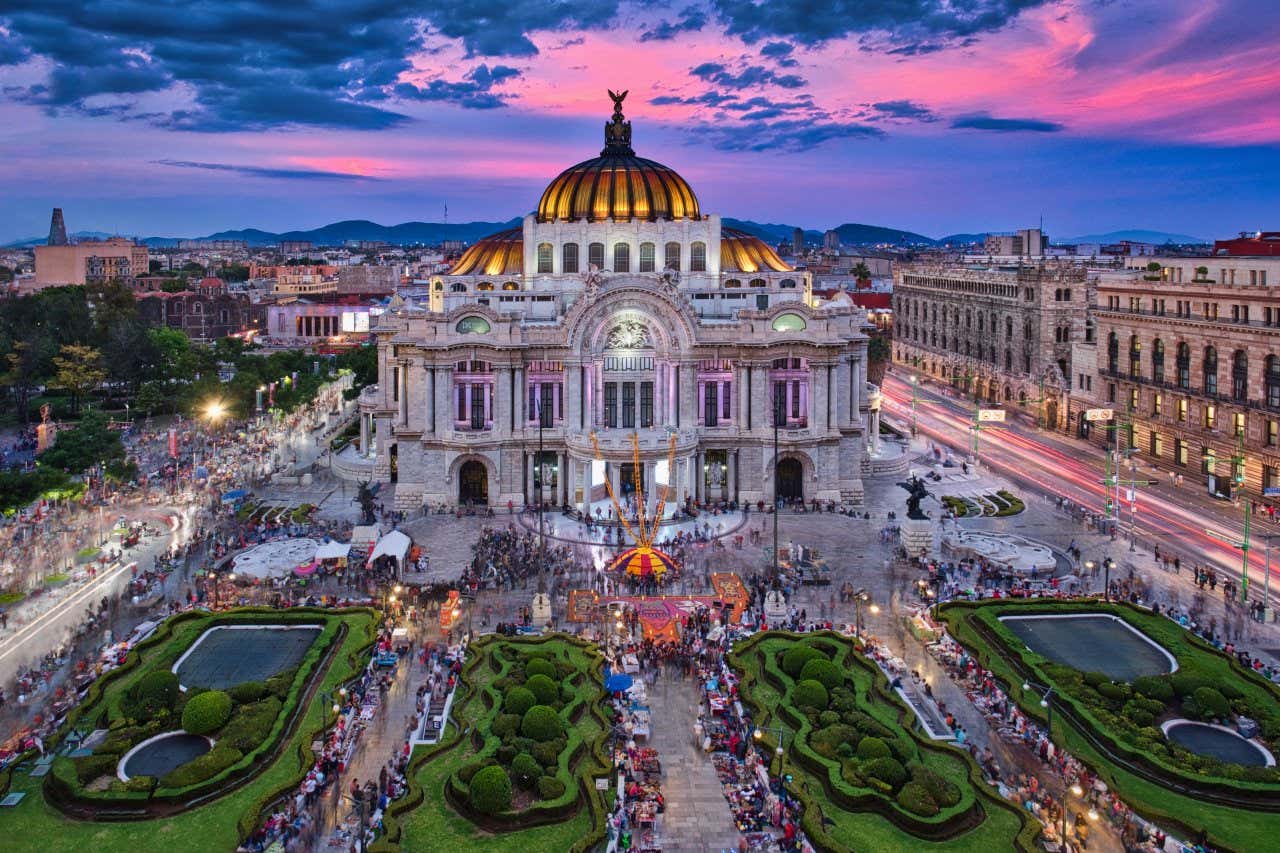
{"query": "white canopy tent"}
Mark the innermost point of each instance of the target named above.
(363, 536)
(333, 551)
(394, 544)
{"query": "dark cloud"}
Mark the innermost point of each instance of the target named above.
(893, 22)
(259, 63)
(983, 121)
(473, 91)
(267, 171)
(780, 52)
(784, 135)
(751, 76)
(903, 110)
(691, 20)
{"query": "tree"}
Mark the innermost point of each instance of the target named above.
(151, 398)
(26, 364)
(90, 442)
(154, 266)
(78, 370)
(878, 353)
(174, 356)
(861, 272)
(234, 272)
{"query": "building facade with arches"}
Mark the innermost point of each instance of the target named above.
(618, 310)
(1004, 335)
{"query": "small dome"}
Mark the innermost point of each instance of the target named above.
(497, 254)
(743, 252)
(618, 185)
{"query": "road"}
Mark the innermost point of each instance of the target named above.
(1178, 519)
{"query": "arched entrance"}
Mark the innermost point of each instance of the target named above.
(473, 483)
(790, 479)
(393, 455)
(1051, 414)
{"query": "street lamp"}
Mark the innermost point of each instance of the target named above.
(1107, 565)
(759, 733)
(915, 380)
(858, 598)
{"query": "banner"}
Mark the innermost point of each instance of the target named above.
(1099, 414)
(173, 442)
(991, 416)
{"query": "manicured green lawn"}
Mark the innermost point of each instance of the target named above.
(1002, 827)
(434, 824)
(217, 826)
(1227, 827)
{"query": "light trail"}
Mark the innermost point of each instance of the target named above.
(1077, 477)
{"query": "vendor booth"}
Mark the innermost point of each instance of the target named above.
(395, 545)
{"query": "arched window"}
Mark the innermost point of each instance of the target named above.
(621, 257)
(1157, 360)
(648, 257)
(1008, 359)
(673, 256)
(1240, 375)
(1183, 365)
(1026, 330)
(756, 282)
(569, 257)
(980, 321)
(458, 287)
(1008, 328)
(787, 283)
(485, 285)
(1113, 353)
(1088, 331)
(698, 257)
(510, 285)
(1066, 295)
(1210, 370)
(733, 282)
(595, 255)
(1271, 380)
(1135, 357)
(544, 257)
(1057, 295)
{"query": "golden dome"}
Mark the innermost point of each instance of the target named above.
(618, 185)
(743, 252)
(498, 254)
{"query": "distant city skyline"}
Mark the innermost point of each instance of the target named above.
(1096, 116)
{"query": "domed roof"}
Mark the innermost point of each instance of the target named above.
(743, 252)
(497, 254)
(618, 184)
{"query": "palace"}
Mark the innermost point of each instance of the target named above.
(619, 309)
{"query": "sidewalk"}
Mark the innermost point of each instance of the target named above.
(697, 817)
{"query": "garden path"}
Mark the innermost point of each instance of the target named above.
(697, 817)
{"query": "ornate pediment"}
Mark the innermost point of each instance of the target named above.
(629, 334)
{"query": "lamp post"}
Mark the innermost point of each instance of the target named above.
(777, 420)
(914, 380)
(1107, 565)
(779, 750)
(858, 598)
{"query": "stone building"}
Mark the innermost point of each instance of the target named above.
(205, 314)
(1003, 334)
(618, 309)
(1192, 370)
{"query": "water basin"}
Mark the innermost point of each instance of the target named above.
(1093, 642)
(1217, 742)
(158, 755)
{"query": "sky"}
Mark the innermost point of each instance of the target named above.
(186, 117)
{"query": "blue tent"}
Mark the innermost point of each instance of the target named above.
(618, 682)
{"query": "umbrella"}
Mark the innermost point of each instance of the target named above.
(618, 682)
(642, 562)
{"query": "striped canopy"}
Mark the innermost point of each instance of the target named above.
(643, 562)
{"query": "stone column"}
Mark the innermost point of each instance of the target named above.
(762, 414)
(502, 404)
(364, 434)
(444, 400)
(687, 389)
(875, 431)
(733, 474)
(572, 398)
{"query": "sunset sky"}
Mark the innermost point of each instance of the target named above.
(183, 118)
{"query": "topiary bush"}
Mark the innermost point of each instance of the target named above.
(888, 770)
(1186, 682)
(943, 791)
(823, 671)
(915, 798)
(544, 690)
(507, 724)
(810, 694)
(827, 740)
(90, 767)
(154, 694)
(540, 666)
(525, 770)
(1114, 692)
(251, 725)
(249, 691)
(870, 748)
(490, 790)
(794, 659)
(541, 723)
(547, 754)
(1207, 703)
(549, 787)
(1154, 687)
(518, 700)
(206, 712)
(204, 767)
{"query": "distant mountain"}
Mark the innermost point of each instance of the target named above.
(857, 234)
(1136, 235)
(771, 232)
(40, 241)
(962, 239)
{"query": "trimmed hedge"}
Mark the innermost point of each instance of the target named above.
(544, 690)
(204, 767)
(490, 790)
(206, 712)
(525, 770)
(519, 700)
(794, 659)
(541, 723)
(822, 671)
(810, 694)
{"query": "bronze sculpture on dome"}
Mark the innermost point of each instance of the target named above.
(617, 133)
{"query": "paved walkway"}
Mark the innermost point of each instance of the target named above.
(697, 817)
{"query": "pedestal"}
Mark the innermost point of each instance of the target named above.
(775, 607)
(916, 536)
(540, 609)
